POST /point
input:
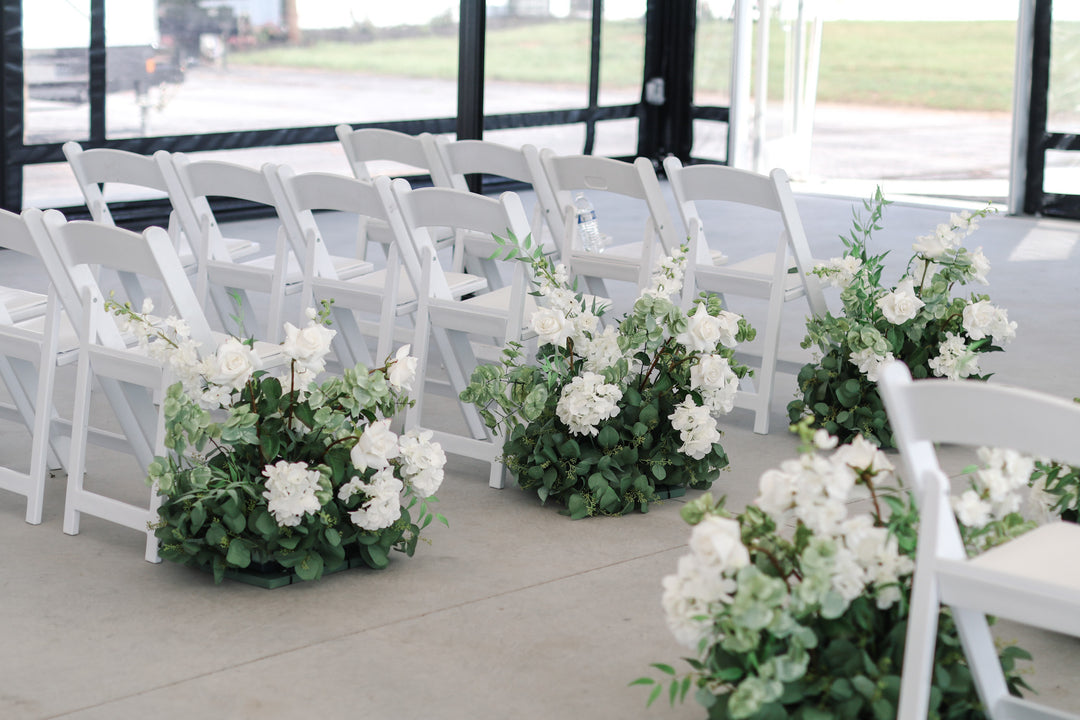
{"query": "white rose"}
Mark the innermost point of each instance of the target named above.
(1002, 330)
(710, 372)
(978, 319)
(702, 333)
(717, 541)
(551, 326)
(901, 304)
(930, 246)
(403, 370)
(309, 346)
(776, 493)
(232, 364)
(376, 446)
(980, 266)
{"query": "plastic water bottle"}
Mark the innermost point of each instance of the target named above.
(588, 228)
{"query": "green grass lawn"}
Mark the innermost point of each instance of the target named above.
(948, 65)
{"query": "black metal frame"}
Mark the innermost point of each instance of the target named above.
(663, 129)
(1036, 200)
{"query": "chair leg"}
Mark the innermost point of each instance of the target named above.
(79, 431)
(768, 362)
(982, 655)
(921, 639)
(42, 437)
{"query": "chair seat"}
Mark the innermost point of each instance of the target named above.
(67, 339)
(22, 304)
(461, 284)
(1044, 555)
(238, 248)
(346, 267)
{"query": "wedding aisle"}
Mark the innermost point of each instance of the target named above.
(512, 611)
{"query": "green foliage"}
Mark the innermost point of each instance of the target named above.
(620, 464)
(215, 510)
(838, 390)
(1062, 483)
(783, 637)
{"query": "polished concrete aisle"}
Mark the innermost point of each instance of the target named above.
(514, 611)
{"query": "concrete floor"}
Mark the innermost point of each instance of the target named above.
(513, 611)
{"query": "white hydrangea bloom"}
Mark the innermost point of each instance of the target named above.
(383, 506)
(955, 360)
(422, 462)
(290, 491)
(972, 510)
(376, 447)
(848, 577)
(586, 401)
(870, 363)
(687, 596)
(667, 279)
(602, 351)
(901, 304)
(697, 428)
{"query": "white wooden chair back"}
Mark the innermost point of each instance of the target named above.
(132, 381)
(766, 276)
(100, 166)
(371, 144)
(718, 183)
(191, 185)
(567, 174)
(28, 361)
(455, 323)
(1032, 579)
(458, 158)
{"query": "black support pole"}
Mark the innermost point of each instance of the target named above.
(1037, 109)
(97, 65)
(666, 120)
(11, 116)
(470, 115)
(594, 75)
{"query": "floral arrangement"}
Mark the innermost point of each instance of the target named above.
(797, 607)
(1058, 486)
(278, 470)
(916, 321)
(602, 419)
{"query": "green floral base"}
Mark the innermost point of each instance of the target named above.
(841, 401)
(271, 575)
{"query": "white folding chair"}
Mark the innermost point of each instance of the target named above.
(778, 276)
(365, 147)
(628, 261)
(458, 158)
(1033, 579)
(131, 380)
(387, 294)
(97, 168)
(30, 351)
(276, 275)
(455, 323)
